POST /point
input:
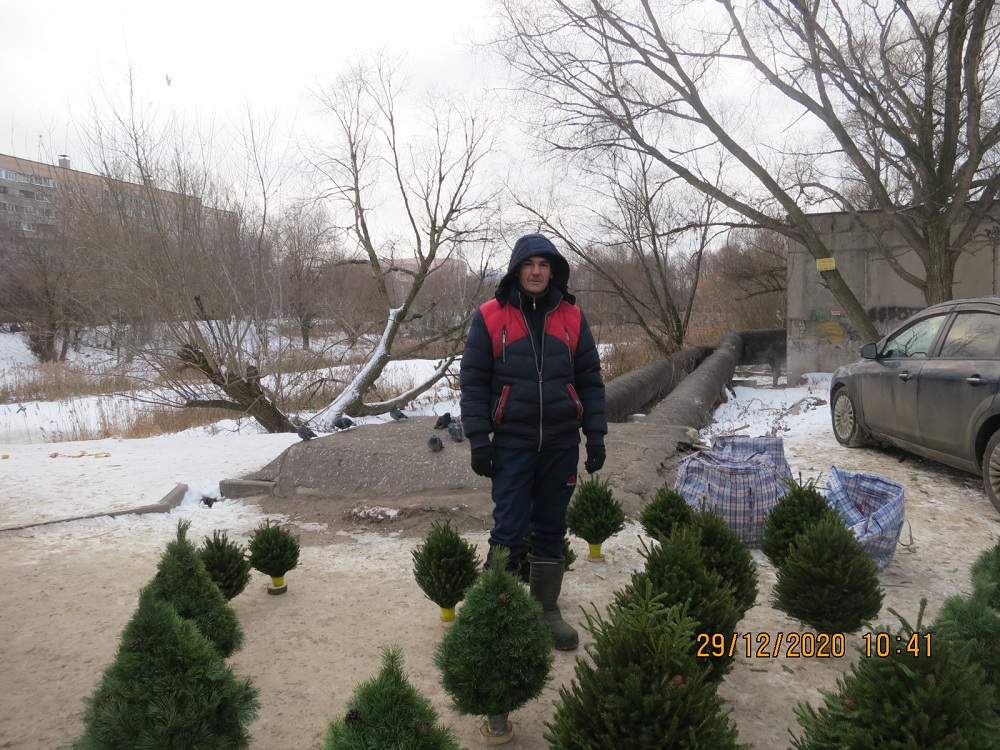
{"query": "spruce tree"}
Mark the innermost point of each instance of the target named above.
(802, 506)
(677, 571)
(972, 625)
(986, 571)
(916, 697)
(388, 712)
(274, 551)
(227, 564)
(829, 580)
(445, 565)
(667, 509)
(181, 580)
(729, 556)
(167, 688)
(498, 654)
(642, 688)
(595, 515)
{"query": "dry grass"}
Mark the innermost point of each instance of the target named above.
(53, 381)
(624, 356)
(161, 420)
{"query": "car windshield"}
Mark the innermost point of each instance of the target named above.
(914, 341)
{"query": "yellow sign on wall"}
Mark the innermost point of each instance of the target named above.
(826, 264)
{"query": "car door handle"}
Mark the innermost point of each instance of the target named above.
(976, 380)
(904, 376)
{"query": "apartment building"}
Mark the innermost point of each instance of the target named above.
(29, 192)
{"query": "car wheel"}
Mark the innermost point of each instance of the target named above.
(846, 427)
(991, 470)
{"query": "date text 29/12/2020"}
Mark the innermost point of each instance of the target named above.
(808, 645)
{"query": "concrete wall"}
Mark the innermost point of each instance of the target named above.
(820, 339)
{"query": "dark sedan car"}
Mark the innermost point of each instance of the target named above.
(930, 387)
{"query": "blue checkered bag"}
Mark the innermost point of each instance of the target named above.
(873, 508)
(746, 445)
(742, 488)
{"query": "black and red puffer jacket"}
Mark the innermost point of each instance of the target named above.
(532, 394)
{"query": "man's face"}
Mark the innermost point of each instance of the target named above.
(535, 274)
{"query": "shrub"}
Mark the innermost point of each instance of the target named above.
(227, 564)
(273, 550)
(445, 565)
(667, 509)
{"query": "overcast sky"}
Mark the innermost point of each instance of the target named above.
(211, 57)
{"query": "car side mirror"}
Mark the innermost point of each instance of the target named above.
(869, 351)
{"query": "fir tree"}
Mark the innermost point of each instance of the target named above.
(667, 509)
(676, 570)
(498, 654)
(274, 551)
(829, 580)
(388, 712)
(972, 625)
(227, 564)
(445, 565)
(907, 699)
(167, 688)
(595, 515)
(802, 506)
(181, 580)
(729, 556)
(644, 689)
(986, 572)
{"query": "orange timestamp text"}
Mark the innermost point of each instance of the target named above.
(767, 646)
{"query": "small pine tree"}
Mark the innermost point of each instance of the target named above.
(181, 580)
(972, 625)
(644, 687)
(802, 506)
(595, 515)
(498, 654)
(168, 688)
(729, 556)
(667, 509)
(227, 564)
(907, 699)
(676, 570)
(986, 572)
(273, 551)
(445, 565)
(829, 580)
(388, 712)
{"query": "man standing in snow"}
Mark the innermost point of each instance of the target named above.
(531, 382)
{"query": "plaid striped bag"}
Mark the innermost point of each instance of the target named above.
(873, 508)
(742, 488)
(746, 445)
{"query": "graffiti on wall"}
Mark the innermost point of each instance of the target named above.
(891, 314)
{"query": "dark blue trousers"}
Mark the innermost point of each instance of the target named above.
(531, 491)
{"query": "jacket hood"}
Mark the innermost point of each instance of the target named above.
(526, 247)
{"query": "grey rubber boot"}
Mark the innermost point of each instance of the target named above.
(545, 583)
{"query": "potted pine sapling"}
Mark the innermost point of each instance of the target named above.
(227, 564)
(274, 551)
(595, 515)
(445, 565)
(388, 711)
(497, 655)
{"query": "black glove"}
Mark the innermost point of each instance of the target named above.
(595, 458)
(482, 460)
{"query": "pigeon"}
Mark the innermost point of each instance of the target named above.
(305, 432)
(396, 413)
(443, 421)
(342, 423)
(434, 443)
(456, 432)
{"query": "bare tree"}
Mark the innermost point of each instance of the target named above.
(900, 98)
(642, 238)
(428, 174)
(180, 253)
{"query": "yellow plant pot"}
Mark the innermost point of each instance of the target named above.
(447, 614)
(595, 552)
(278, 585)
